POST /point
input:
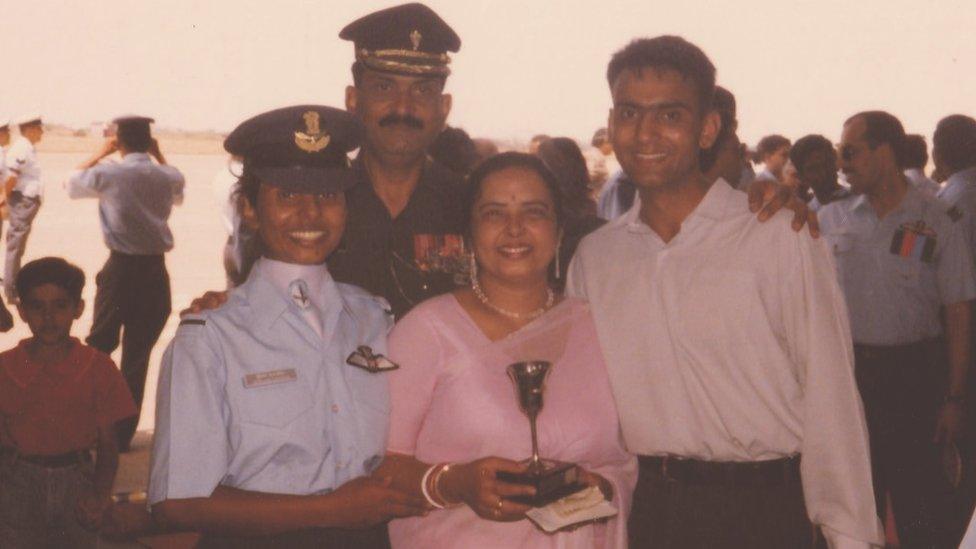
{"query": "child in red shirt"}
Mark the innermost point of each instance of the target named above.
(59, 399)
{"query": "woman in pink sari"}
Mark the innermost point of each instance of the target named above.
(455, 420)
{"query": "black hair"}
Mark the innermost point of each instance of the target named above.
(955, 141)
(565, 160)
(135, 137)
(51, 270)
(807, 145)
(667, 52)
(916, 152)
(882, 128)
(454, 149)
(723, 103)
(769, 145)
(599, 137)
(504, 161)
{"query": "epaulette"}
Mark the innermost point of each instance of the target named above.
(192, 322)
(954, 213)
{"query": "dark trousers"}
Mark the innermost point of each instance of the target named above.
(317, 538)
(675, 513)
(132, 297)
(902, 389)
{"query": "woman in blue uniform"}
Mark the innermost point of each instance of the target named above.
(265, 435)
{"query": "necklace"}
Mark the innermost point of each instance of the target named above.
(480, 294)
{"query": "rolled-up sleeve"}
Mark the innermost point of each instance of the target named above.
(190, 446)
(835, 466)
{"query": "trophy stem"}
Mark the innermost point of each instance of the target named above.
(536, 464)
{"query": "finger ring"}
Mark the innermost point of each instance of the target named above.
(484, 472)
(499, 504)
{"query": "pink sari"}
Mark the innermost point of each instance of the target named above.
(452, 401)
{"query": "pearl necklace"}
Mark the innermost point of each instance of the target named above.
(480, 294)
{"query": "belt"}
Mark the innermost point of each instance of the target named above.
(55, 461)
(890, 352)
(723, 473)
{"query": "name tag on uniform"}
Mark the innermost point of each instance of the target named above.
(274, 377)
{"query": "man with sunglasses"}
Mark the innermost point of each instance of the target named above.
(906, 271)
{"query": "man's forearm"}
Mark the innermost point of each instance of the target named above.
(106, 464)
(242, 513)
(958, 319)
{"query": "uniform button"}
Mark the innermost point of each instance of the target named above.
(335, 408)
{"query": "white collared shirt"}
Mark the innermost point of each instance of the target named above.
(21, 161)
(921, 182)
(731, 343)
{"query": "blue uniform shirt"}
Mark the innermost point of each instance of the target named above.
(898, 271)
(251, 397)
(135, 198)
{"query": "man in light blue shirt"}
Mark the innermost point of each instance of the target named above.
(954, 153)
(135, 198)
(906, 271)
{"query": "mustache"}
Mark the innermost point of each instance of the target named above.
(405, 119)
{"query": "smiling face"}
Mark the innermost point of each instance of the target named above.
(402, 115)
(657, 126)
(299, 228)
(513, 226)
(49, 311)
(819, 170)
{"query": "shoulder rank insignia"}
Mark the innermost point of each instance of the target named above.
(364, 358)
(313, 139)
(193, 322)
(954, 213)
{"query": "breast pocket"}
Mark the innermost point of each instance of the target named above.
(906, 270)
(276, 405)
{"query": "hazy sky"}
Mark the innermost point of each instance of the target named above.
(525, 66)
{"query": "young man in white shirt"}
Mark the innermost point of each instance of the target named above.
(726, 339)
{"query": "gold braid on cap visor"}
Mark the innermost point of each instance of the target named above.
(405, 61)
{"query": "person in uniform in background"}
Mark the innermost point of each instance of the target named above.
(725, 339)
(954, 154)
(132, 295)
(6, 318)
(23, 192)
(601, 162)
(240, 249)
(403, 237)
(902, 259)
(773, 151)
(816, 167)
(916, 157)
(267, 428)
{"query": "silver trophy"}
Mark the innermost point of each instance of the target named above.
(551, 479)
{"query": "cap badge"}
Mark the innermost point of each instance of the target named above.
(415, 38)
(313, 139)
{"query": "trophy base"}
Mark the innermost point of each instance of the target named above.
(553, 481)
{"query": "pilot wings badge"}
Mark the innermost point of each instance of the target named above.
(313, 139)
(364, 358)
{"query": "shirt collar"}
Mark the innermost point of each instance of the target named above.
(912, 201)
(963, 177)
(715, 205)
(134, 157)
(269, 296)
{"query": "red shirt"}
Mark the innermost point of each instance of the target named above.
(48, 409)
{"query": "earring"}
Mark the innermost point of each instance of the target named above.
(557, 261)
(473, 267)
